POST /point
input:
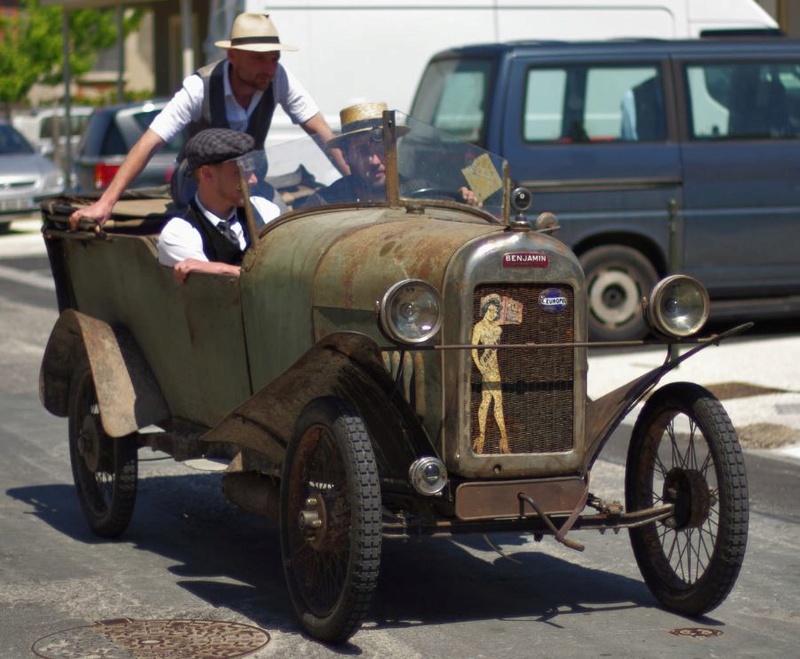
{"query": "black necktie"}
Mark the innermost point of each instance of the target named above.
(225, 229)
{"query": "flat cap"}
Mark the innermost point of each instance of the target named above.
(216, 145)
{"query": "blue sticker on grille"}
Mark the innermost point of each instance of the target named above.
(552, 300)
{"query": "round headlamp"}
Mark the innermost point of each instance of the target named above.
(678, 306)
(428, 475)
(411, 311)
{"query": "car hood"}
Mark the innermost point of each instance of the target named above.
(24, 166)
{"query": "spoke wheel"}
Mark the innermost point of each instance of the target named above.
(105, 469)
(330, 520)
(684, 451)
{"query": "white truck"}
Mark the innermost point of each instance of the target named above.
(347, 47)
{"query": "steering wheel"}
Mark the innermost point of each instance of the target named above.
(435, 193)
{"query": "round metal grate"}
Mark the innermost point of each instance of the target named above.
(125, 638)
(696, 632)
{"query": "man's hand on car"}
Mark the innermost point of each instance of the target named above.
(181, 270)
(99, 212)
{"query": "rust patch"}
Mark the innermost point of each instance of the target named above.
(153, 639)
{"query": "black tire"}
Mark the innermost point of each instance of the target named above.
(105, 469)
(616, 279)
(331, 568)
(684, 450)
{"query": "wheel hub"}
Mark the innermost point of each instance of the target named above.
(312, 521)
(613, 297)
(89, 443)
(688, 491)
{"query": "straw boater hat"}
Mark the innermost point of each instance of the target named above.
(362, 118)
(255, 32)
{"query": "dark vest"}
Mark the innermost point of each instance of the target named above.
(217, 246)
(214, 115)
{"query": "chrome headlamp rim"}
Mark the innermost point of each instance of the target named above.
(386, 323)
(417, 475)
(687, 286)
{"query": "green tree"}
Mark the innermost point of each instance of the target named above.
(31, 45)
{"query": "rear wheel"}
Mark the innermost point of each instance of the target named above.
(105, 469)
(330, 520)
(684, 451)
(616, 279)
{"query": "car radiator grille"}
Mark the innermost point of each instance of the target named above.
(533, 401)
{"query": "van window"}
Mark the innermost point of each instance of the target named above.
(744, 100)
(594, 104)
(452, 97)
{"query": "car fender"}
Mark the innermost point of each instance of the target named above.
(347, 365)
(128, 394)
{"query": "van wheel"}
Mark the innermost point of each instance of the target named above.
(616, 279)
(105, 469)
(684, 451)
(330, 520)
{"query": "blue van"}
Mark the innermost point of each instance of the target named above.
(657, 156)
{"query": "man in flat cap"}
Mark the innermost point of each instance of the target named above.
(239, 92)
(212, 234)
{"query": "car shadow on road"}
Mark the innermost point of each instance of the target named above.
(231, 559)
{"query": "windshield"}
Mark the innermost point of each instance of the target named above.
(429, 165)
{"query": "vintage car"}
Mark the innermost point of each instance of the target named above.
(387, 370)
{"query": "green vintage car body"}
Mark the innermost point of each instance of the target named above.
(294, 375)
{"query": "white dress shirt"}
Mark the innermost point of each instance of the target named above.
(179, 240)
(186, 105)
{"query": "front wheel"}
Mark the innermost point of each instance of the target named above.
(330, 520)
(684, 451)
(617, 277)
(105, 469)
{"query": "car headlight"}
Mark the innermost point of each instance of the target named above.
(53, 181)
(428, 475)
(410, 311)
(678, 306)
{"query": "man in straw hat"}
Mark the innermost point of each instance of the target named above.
(361, 141)
(239, 92)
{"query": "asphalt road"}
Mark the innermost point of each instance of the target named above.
(189, 555)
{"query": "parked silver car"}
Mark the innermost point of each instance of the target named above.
(25, 176)
(46, 129)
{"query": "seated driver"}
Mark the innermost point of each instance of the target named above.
(361, 142)
(212, 234)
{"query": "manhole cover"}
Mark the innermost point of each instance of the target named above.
(696, 632)
(153, 639)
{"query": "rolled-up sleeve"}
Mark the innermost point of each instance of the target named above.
(183, 108)
(293, 97)
(178, 241)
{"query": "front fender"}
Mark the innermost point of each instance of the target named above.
(347, 365)
(128, 395)
(605, 414)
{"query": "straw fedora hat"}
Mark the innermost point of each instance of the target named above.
(361, 118)
(254, 32)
